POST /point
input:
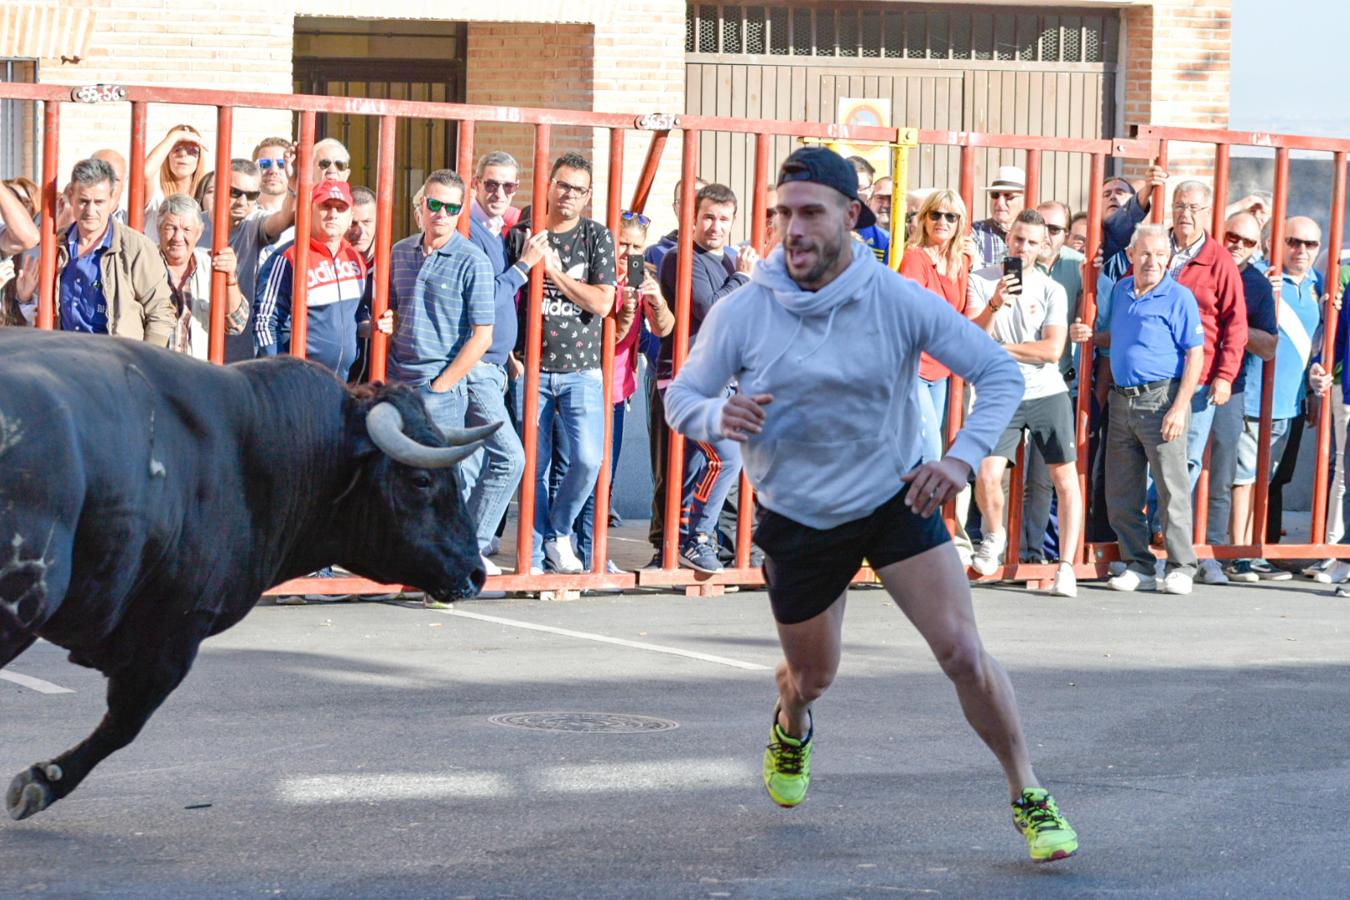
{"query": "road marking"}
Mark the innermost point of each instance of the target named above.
(37, 684)
(364, 788)
(595, 778)
(605, 639)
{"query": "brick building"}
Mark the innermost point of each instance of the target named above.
(1087, 69)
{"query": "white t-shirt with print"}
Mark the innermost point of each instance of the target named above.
(1023, 319)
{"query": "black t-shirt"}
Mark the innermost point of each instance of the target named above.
(571, 334)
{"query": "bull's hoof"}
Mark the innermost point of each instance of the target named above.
(30, 792)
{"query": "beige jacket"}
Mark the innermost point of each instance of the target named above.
(135, 284)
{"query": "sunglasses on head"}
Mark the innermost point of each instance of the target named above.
(937, 215)
(1233, 237)
(451, 209)
(236, 193)
(269, 163)
(1294, 243)
(335, 163)
(629, 216)
(505, 187)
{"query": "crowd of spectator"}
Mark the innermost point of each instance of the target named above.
(1185, 323)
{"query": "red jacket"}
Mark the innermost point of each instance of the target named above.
(1214, 280)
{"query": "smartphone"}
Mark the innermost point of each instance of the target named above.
(1012, 265)
(636, 270)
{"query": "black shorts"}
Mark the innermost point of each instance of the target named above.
(1050, 421)
(807, 569)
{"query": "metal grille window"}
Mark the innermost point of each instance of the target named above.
(19, 129)
(873, 30)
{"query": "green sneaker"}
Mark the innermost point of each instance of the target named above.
(787, 765)
(1049, 836)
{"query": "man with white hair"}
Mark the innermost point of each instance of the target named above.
(1157, 346)
(190, 268)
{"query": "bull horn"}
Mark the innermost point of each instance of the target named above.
(458, 437)
(384, 424)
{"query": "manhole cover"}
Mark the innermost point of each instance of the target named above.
(584, 722)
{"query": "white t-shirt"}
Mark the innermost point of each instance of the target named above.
(1024, 319)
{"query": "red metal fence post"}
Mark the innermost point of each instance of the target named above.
(1033, 185)
(1330, 317)
(1087, 368)
(136, 167)
(465, 164)
(51, 125)
(534, 335)
(614, 199)
(1159, 198)
(220, 234)
(304, 160)
(384, 238)
(644, 186)
(684, 278)
(1261, 491)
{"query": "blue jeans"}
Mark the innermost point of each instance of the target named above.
(933, 409)
(1226, 431)
(491, 475)
(584, 526)
(575, 400)
(1197, 438)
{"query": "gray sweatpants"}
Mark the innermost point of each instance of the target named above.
(1133, 444)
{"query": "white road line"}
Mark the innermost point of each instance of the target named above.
(594, 778)
(37, 684)
(604, 639)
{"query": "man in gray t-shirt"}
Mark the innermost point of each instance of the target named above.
(1028, 315)
(251, 229)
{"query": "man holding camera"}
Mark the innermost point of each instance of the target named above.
(1026, 311)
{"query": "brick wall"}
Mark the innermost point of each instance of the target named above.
(1178, 56)
(151, 42)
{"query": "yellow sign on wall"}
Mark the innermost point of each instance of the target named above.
(866, 111)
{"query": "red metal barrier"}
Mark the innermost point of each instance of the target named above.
(1150, 144)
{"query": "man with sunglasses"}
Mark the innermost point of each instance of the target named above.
(252, 231)
(579, 270)
(1242, 240)
(271, 156)
(1299, 316)
(1006, 197)
(330, 162)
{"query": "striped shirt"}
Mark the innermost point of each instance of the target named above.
(440, 296)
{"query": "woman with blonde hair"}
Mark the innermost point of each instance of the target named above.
(939, 256)
(176, 165)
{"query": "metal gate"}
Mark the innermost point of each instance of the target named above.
(943, 68)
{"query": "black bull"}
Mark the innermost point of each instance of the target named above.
(147, 500)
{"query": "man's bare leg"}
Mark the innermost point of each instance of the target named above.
(810, 659)
(1064, 476)
(932, 591)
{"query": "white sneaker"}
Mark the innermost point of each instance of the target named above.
(536, 570)
(1211, 572)
(563, 557)
(986, 560)
(490, 567)
(1066, 584)
(611, 569)
(1176, 583)
(1115, 568)
(1335, 573)
(1130, 580)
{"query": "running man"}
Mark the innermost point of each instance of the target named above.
(824, 344)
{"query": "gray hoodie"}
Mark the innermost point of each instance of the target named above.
(841, 364)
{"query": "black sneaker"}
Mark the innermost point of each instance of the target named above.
(701, 555)
(1268, 572)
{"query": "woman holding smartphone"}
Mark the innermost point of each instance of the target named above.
(939, 257)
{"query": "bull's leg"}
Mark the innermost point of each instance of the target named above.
(134, 693)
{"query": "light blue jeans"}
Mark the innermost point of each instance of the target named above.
(492, 474)
(933, 408)
(576, 399)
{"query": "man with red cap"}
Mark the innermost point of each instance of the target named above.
(337, 277)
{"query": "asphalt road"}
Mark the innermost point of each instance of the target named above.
(1200, 746)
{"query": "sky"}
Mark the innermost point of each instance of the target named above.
(1288, 69)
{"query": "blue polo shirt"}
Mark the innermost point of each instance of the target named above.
(507, 281)
(439, 298)
(1151, 334)
(83, 306)
(1300, 319)
(1260, 315)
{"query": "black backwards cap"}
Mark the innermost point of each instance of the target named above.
(822, 165)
